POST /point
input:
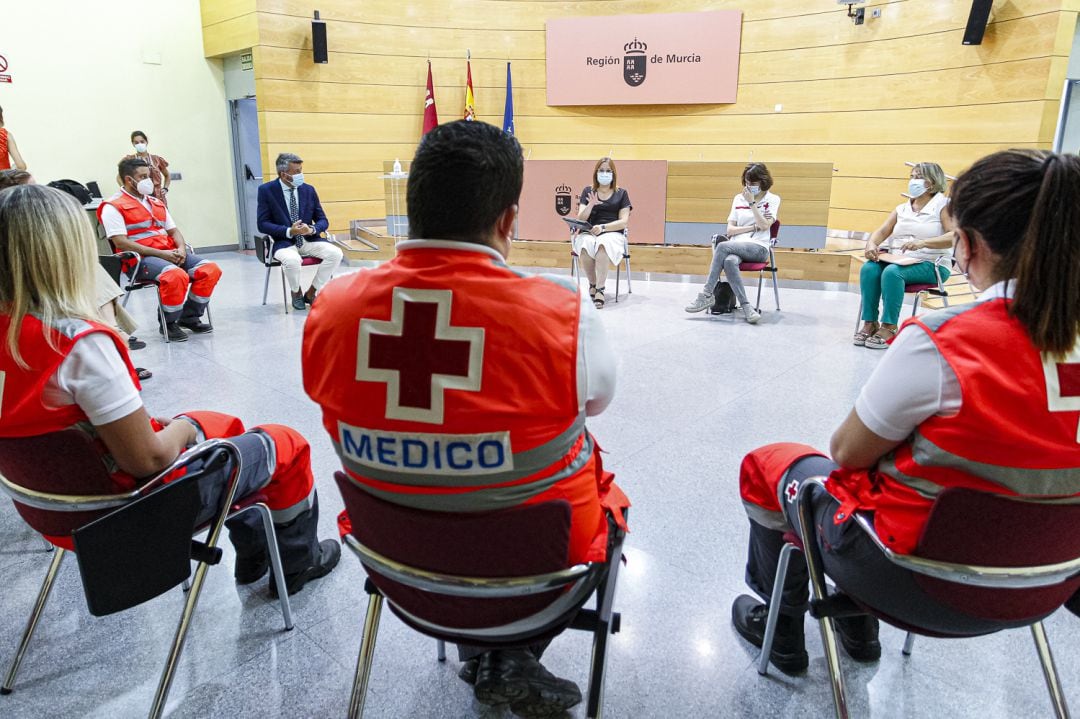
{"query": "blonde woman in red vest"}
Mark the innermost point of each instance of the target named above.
(471, 379)
(64, 369)
(990, 400)
(9, 151)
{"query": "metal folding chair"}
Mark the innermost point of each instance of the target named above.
(762, 267)
(921, 291)
(136, 570)
(130, 263)
(575, 270)
(1042, 582)
(264, 251)
(486, 611)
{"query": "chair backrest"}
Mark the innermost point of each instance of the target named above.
(522, 541)
(260, 247)
(66, 462)
(774, 231)
(113, 265)
(978, 528)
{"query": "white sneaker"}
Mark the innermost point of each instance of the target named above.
(703, 302)
(752, 316)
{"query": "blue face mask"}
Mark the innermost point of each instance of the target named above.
(297, 179)
(604, 178)
(916, 187)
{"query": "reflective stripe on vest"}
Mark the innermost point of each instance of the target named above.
(1013, 433)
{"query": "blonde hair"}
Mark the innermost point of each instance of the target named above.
(934, 176)
(47, 256)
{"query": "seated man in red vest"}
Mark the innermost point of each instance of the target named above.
(471, 379)
(136, 221)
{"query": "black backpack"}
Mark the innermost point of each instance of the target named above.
(723, 300)
(73, 188)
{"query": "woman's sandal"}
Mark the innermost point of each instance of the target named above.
(861, 337)
(143, 373)
(880, 339)
(598, 298)
(592, 292)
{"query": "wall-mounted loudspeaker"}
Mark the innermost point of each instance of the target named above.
(976, 24)
(318, 39)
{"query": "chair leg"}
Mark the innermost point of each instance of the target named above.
(858, 315)
(209, 317)
(266, 285)
(367, 654)
(618, 273)
(161, 319)
(35, 615)
(775, 289)
(440, 650)
(629, 289)
(275, 562)
(284, 290)
(49, 546)
(605, 602)
(915, 303)
(1053, 681)
(820, 592)
(774, 608)
(760, 280)
(909, 643)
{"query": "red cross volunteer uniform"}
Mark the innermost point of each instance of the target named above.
(147, 222)
(87, 364)
(450, 382)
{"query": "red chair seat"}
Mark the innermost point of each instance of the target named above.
(919, 288)
(307, 261)
(753, 266)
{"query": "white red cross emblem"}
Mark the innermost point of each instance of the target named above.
(791, 491)
(1063, 384)
(420, 355)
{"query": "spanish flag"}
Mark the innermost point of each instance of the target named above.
(470, 110)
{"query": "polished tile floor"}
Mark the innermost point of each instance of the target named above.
(695, 393)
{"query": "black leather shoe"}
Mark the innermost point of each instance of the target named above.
(309, 296)
(859, 637)
(516, 677)
(199, 328)
(134, 343)
(251, 569)
(175, 333)
(329, 554)
(468, 670)
(298, 301)
(789, 645)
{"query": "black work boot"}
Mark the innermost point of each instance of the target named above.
(859, 637)
(789, 645)
(516, 677)
(303, 556)
(172, 329)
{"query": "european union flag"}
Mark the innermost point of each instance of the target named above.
(508, 112)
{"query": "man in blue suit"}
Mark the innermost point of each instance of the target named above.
(290, 212)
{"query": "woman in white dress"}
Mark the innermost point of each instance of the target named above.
(606, 206)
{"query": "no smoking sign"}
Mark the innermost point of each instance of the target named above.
(3, 69)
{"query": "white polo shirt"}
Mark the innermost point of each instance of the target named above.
(742, 216)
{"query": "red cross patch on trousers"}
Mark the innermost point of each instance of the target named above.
(419, 355)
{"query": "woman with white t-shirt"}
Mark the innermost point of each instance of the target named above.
(919, 228)
(753, 211)
(62, 369)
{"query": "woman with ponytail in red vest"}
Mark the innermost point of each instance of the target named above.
(990, 401)
(61, 368)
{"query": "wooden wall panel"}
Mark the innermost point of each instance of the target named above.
(231, 35)
(864, 99)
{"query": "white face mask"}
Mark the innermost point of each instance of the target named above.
(753, 189)
(604, 178)
(140, 147)
(145, 187)
(916, 187)
(297, 179)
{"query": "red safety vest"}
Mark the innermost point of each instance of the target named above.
(5, 160)
(1017, 432)
(448, 382)
(147, 227)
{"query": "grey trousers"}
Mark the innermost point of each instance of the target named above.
(727, 256)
